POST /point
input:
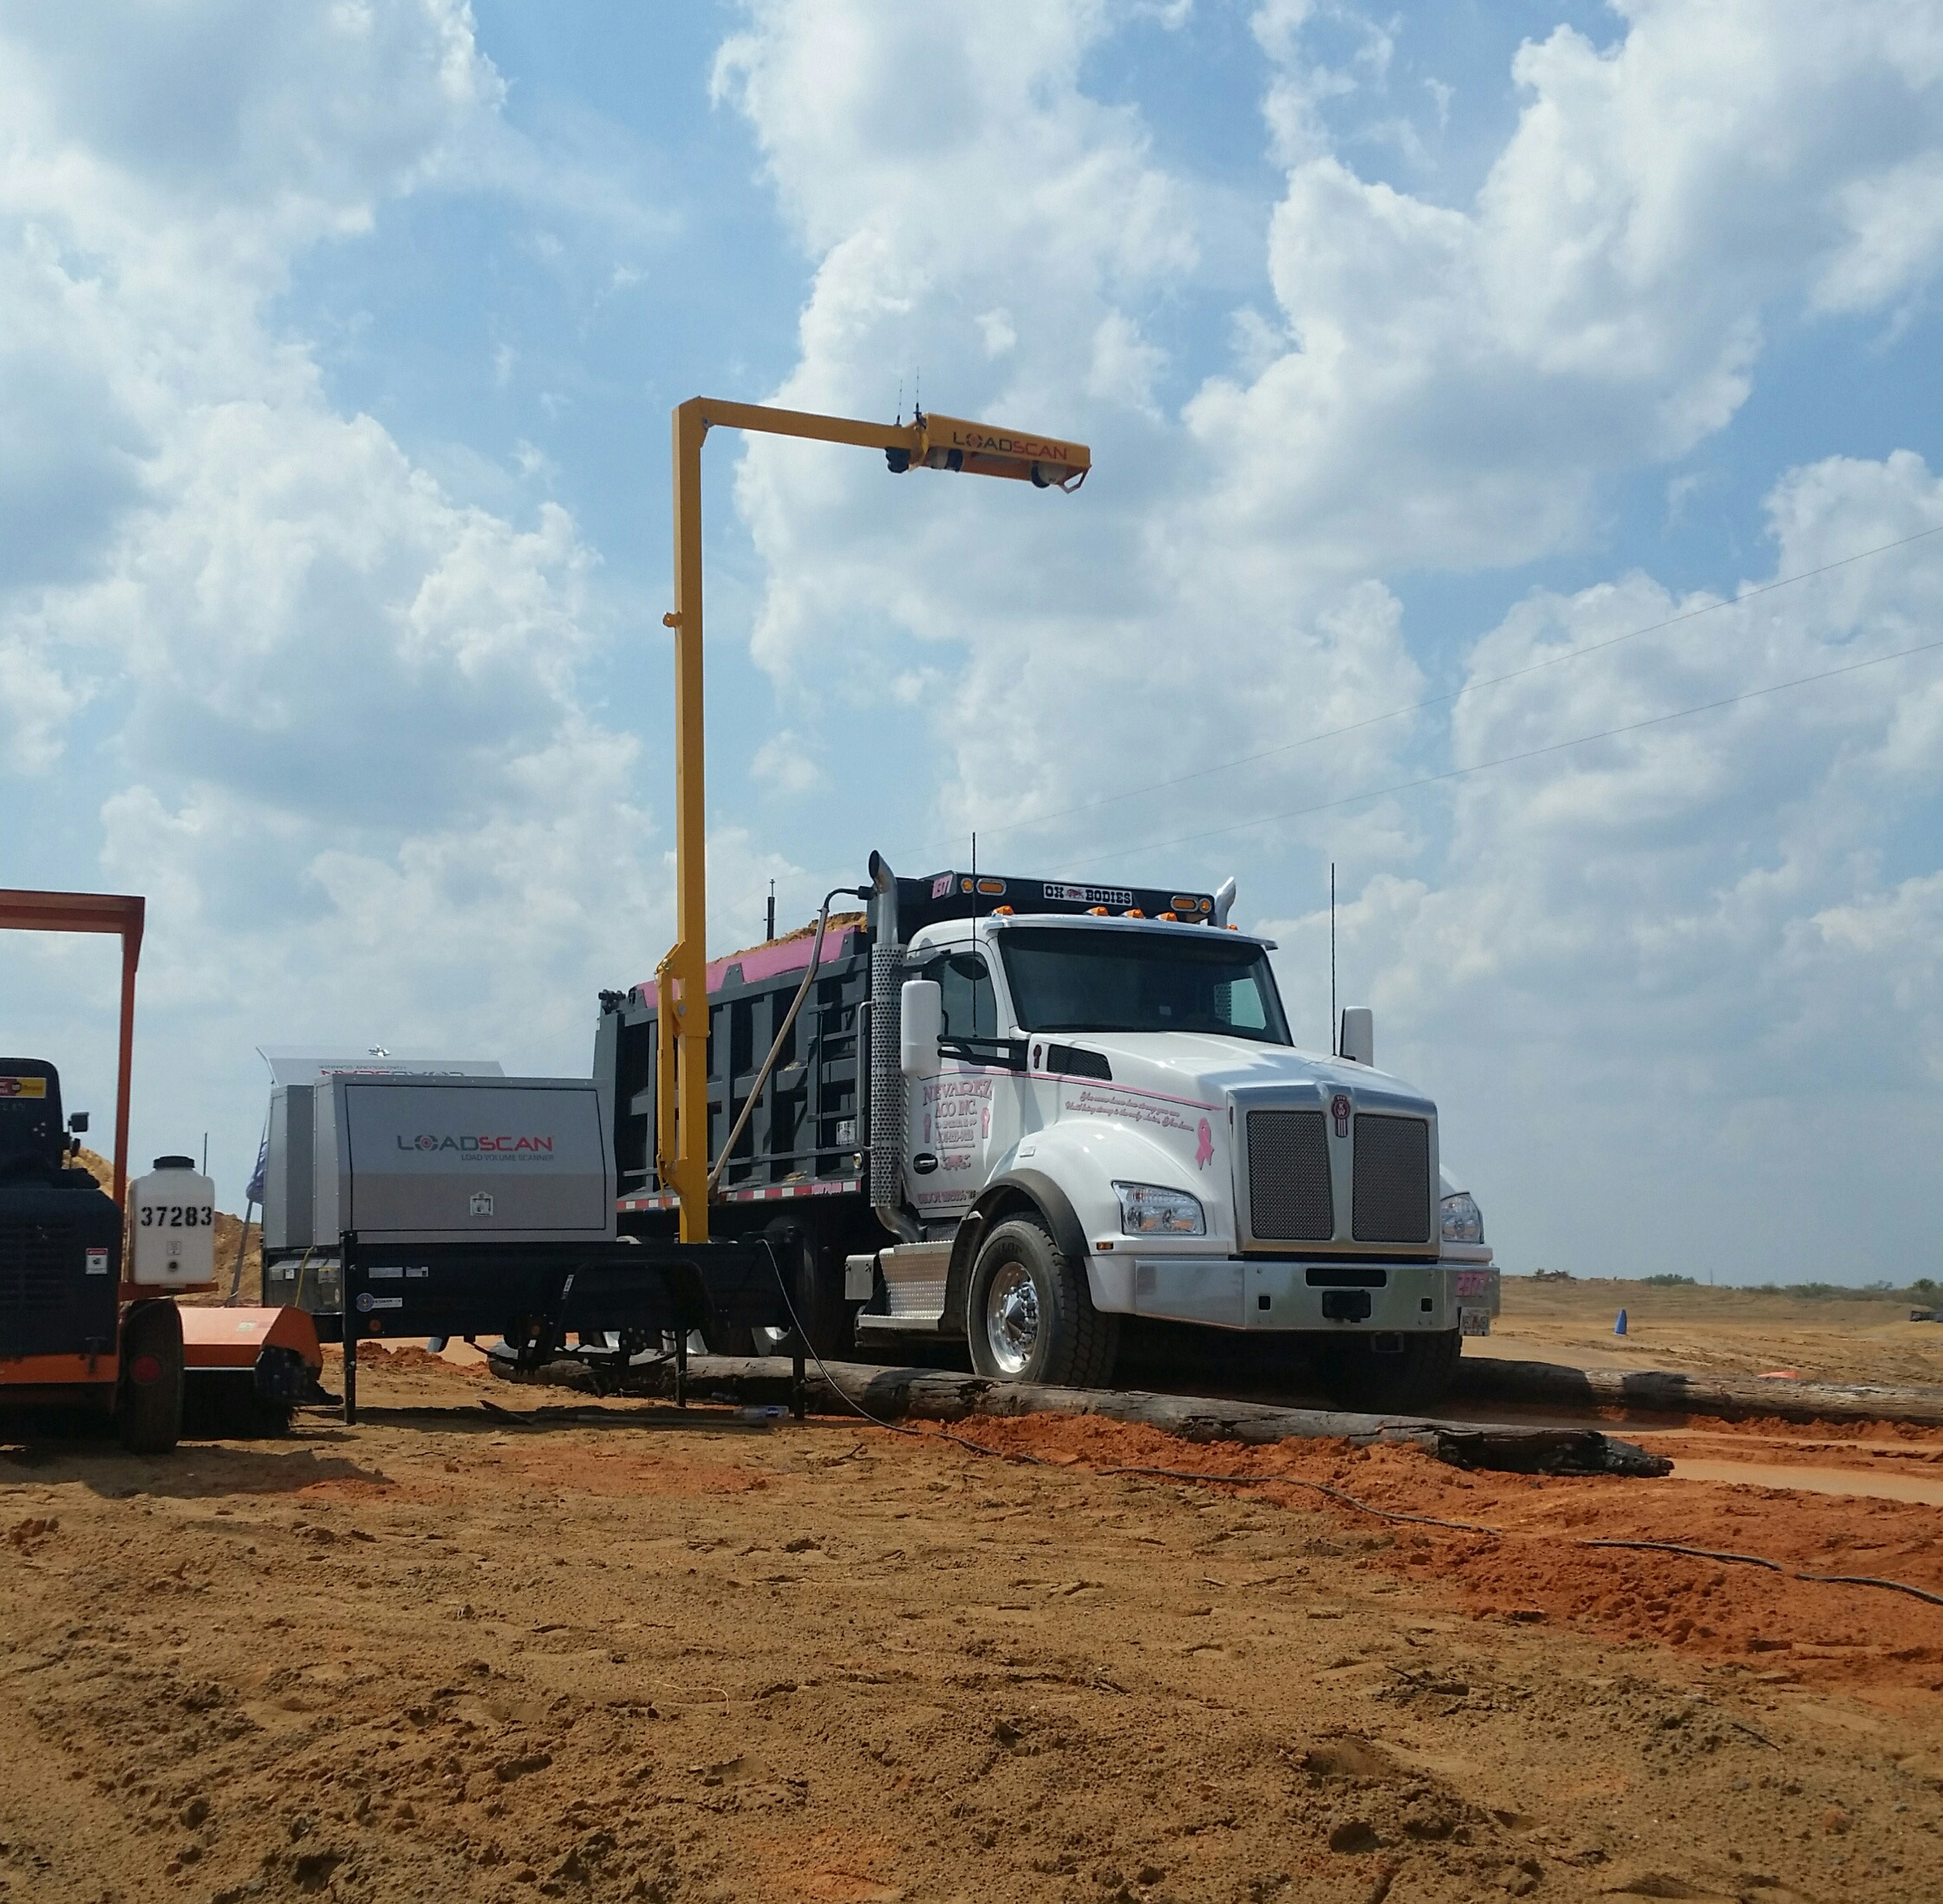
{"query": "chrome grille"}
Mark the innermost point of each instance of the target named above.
(1392, 1201)
(38, 1261)
(1289, 1200)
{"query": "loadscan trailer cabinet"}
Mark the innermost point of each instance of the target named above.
(1015, 1111)
(300, 1259)
(486, 1206)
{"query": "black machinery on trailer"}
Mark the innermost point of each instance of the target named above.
(618, 1299)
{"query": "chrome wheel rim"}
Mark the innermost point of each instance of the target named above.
(1012, 1317)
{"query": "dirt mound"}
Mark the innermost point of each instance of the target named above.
(604, 1651)
(1537, 1567)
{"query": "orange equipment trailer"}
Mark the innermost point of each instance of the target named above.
(83, 1318)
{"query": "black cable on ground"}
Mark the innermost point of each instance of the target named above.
(1692, 1553)
(1499, 1533)
(1321, 1487)
(857, 1408)
(1870, 1580)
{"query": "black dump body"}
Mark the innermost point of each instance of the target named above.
(800, 1158)
(805, 1138)
(54, 1223)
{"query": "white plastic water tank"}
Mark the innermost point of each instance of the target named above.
(173, 1212)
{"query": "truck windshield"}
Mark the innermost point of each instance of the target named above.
(1065, 978)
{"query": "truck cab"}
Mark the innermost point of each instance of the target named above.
(1115, 1105)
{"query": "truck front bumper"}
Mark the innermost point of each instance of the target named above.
(1284, 1294)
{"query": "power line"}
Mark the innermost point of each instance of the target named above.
(1455, 694)
(1507, 759)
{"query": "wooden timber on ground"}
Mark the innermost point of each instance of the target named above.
(926, 1394)
(1665, 1392)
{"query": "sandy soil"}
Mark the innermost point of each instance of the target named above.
(467, 1650)
(1728, 1332)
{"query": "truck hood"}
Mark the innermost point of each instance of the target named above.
(1196, 1064)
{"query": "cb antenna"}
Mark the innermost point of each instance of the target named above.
(1334, 1053)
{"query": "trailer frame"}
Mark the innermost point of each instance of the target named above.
(536, 1293)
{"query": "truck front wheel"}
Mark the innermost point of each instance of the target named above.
(148, 1409)
(1029, 1316)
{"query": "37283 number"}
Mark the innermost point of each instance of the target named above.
(177, 1216)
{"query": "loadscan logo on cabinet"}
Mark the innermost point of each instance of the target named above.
(23, 1087)
(539, 1148)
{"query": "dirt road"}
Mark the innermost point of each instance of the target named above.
(449, 1654)
(1858, 1338)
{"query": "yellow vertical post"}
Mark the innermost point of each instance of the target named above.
(684, 1151)
(681, 1040)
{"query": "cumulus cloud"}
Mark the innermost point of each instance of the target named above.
(1462, 377)
(334, 728)
(1011, 234)
(1683, 940)
(1615, 960)
(332, 718)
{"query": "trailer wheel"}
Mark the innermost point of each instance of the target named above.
(1354, 1376)
(148, 1402)
(1029, 1316)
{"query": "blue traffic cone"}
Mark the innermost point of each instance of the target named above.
(1619, 1327)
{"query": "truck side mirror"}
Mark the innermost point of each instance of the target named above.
(1357, 1042)
(920, 1024)
(78, 1123)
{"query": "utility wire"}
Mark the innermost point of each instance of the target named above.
(1507, 759)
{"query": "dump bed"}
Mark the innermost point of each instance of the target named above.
(804, 1136)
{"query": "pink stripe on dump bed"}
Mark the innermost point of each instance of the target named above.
(767, 960)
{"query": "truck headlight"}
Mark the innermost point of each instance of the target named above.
(1149, 1210)
(1463, 1223)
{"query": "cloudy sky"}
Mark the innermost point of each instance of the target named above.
(1519, 442)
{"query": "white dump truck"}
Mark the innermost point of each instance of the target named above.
(1018, 1112)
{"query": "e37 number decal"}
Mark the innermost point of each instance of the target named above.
(177, 1216)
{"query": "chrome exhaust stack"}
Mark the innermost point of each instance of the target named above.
(887, 1076)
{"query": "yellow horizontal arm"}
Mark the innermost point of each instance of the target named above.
(947, 442)
(822, 429)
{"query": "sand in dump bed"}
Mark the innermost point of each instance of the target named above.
(453, 1654)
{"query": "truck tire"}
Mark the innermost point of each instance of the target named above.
(1355, 1377)
(816, 1294)
(1029, 1316)
(149, 1401)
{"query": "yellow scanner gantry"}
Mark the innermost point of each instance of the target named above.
(926, 442)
